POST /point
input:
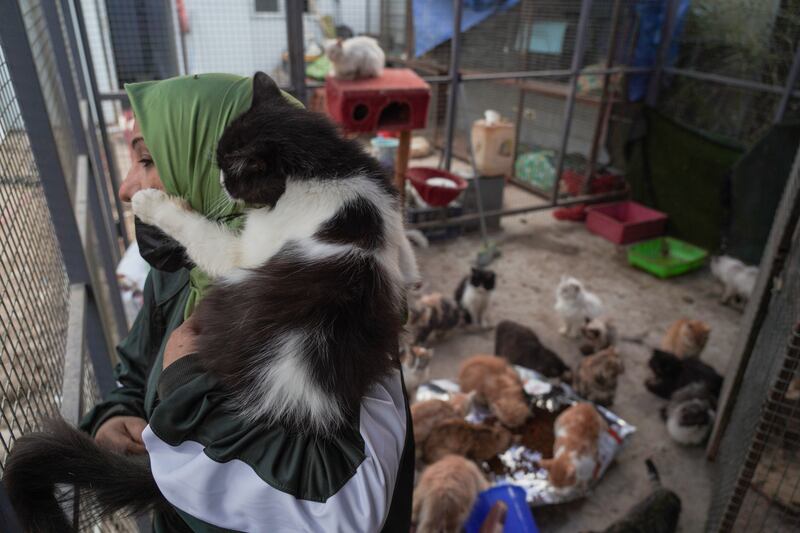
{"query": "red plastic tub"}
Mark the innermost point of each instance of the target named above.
(625, 222)
(434, 195)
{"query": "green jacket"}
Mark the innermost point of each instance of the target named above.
(221, 473)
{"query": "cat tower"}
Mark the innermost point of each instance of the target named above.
(396, 101)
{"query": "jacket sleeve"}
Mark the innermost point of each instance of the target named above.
(135, 355)
(222, 472)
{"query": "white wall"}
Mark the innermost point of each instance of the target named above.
(231, 37)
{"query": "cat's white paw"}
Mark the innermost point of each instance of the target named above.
(147, 203)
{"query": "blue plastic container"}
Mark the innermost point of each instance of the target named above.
(519, 518)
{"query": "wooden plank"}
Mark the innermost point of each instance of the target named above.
(772, 261)
(72, 383)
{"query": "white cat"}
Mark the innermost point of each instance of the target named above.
(738, 279)
(356, 58)
(575, 305)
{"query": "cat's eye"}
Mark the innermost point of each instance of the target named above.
(146, 162)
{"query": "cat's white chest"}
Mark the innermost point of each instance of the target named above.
(475, 299)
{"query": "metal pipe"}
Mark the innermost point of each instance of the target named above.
(294, 35)
(477, 76)
(733, 82)
(577, 60)
(452, 96)
(79, 135)
(99, 203)
(599, 126)
(465, 219)
(92, 93)
(667, 30)
(791, 80)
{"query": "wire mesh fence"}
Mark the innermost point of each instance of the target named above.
(33, 306)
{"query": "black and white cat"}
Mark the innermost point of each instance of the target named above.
(473, 295)
(306, 307)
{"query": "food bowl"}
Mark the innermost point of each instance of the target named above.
(437, 187)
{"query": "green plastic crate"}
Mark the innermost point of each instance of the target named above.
(666, 257)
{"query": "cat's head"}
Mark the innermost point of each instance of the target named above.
(244, 152)
(561, 471)
(700, 332)
(612, 364)
(665, 365)
(597, 329)
(569, 288)
(694, 413)
(482, 278)
(334, 49)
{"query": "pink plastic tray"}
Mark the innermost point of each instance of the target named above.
(625, 222)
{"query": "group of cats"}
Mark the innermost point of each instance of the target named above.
(679, 375)
(450, 446)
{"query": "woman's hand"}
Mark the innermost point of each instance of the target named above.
(182, 342)
(122, 434)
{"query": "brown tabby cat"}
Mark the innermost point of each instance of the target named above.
(497, 385)
(445, 494)
(430, 413)
(596, 378)
(686, 338)
(479, 442)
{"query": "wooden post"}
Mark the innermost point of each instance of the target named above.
(401, 164)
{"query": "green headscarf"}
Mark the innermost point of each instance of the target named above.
(182, 120)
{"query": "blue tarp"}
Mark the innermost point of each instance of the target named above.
(433, 19)
(652, 16)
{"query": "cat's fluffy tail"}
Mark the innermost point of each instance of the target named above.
(60, 454)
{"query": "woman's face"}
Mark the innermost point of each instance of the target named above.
(143, 173)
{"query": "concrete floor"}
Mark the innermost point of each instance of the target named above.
(536, 251)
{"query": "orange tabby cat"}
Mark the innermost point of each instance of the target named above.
(445, 494)
(497, 385)
(686, 338)
(575, 459)
(479, 442)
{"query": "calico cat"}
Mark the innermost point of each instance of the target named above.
(575, 456)
(472, 296)
(521, 346)
(671, 373)
(596, 377)
(416, 362)
(433, 317)
(445, 494)
(323, 256)
(497, 385)
(355, 58)
(690, 414)
(575, 305)
(686, 338)
(657, 513)
(479, 442)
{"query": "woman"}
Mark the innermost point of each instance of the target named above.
(218, 472)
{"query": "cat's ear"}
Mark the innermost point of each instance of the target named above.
(264, 89)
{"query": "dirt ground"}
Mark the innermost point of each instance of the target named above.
(536, 251)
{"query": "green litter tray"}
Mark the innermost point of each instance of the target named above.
(666, 257)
